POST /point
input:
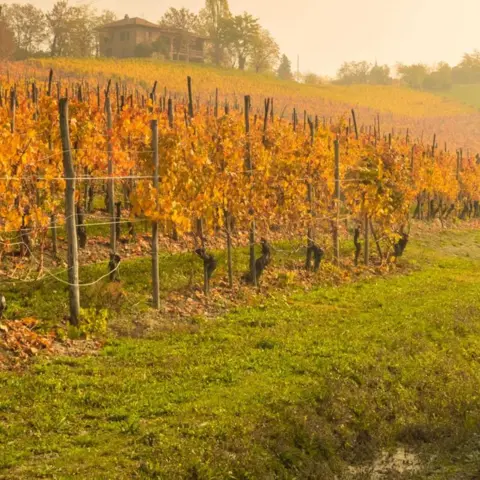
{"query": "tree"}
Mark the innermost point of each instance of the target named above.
(242, 33)
(312, 79)
(7, 39)
(353, 73)
(29, 26)
(214, 21)
(440, 79)
(379, 75)
(468, 70)
(265, 52)
(182, 18)
(106, 17)
(413, 75)
(285, 69)
(72, 30)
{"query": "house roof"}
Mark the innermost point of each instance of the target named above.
(127, 21)
(140, 22)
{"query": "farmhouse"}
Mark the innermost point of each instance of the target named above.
(136, 37)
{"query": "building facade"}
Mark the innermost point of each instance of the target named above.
(136, 37)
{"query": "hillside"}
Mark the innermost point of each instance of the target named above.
(451, 119)
(468, 95)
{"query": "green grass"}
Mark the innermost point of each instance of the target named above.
(467, 94)
(299, 386)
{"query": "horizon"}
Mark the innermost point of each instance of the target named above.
(398, 40)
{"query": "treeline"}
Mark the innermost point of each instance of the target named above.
(236, 41)
(420, 76)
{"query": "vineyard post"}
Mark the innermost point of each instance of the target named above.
(155, 264)
(366, 252)
(336, 237)
(70, 215)
(310, 200)
(190, 97)
(434, 145)
(53, 217)
(13, 107)
(117, 96)
(216, 103)
(110, 185)
(170, 113)
(265, 120)
(249, 167)
(50, 78)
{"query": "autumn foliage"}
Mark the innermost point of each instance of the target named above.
(203, 169)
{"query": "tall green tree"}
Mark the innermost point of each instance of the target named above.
(215, 23)
(285, 69)
(244, 30)
(265, 52)
(181, 19)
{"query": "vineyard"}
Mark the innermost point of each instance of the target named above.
(203, 275)
(80, 154)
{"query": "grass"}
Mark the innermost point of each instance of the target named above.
(467, 94)
(298, 386)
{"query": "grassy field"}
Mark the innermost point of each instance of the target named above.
(301, 384)
(469, 95)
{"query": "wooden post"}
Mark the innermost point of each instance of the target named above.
(70, 215)
(13, 109)
(336, 236)
(434, 145)
(110, 185)
(366, 245)
(170, 113)
(53, 226)
(50, 79)
(190, 97)
(228, 225)
(249, 168)
(355, 123)
(155, 265)
(216, 103)
(265, 120)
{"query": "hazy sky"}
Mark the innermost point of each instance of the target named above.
(325, 33)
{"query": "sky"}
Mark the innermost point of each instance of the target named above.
(326, 33)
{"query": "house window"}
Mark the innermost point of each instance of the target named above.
(124, 36)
